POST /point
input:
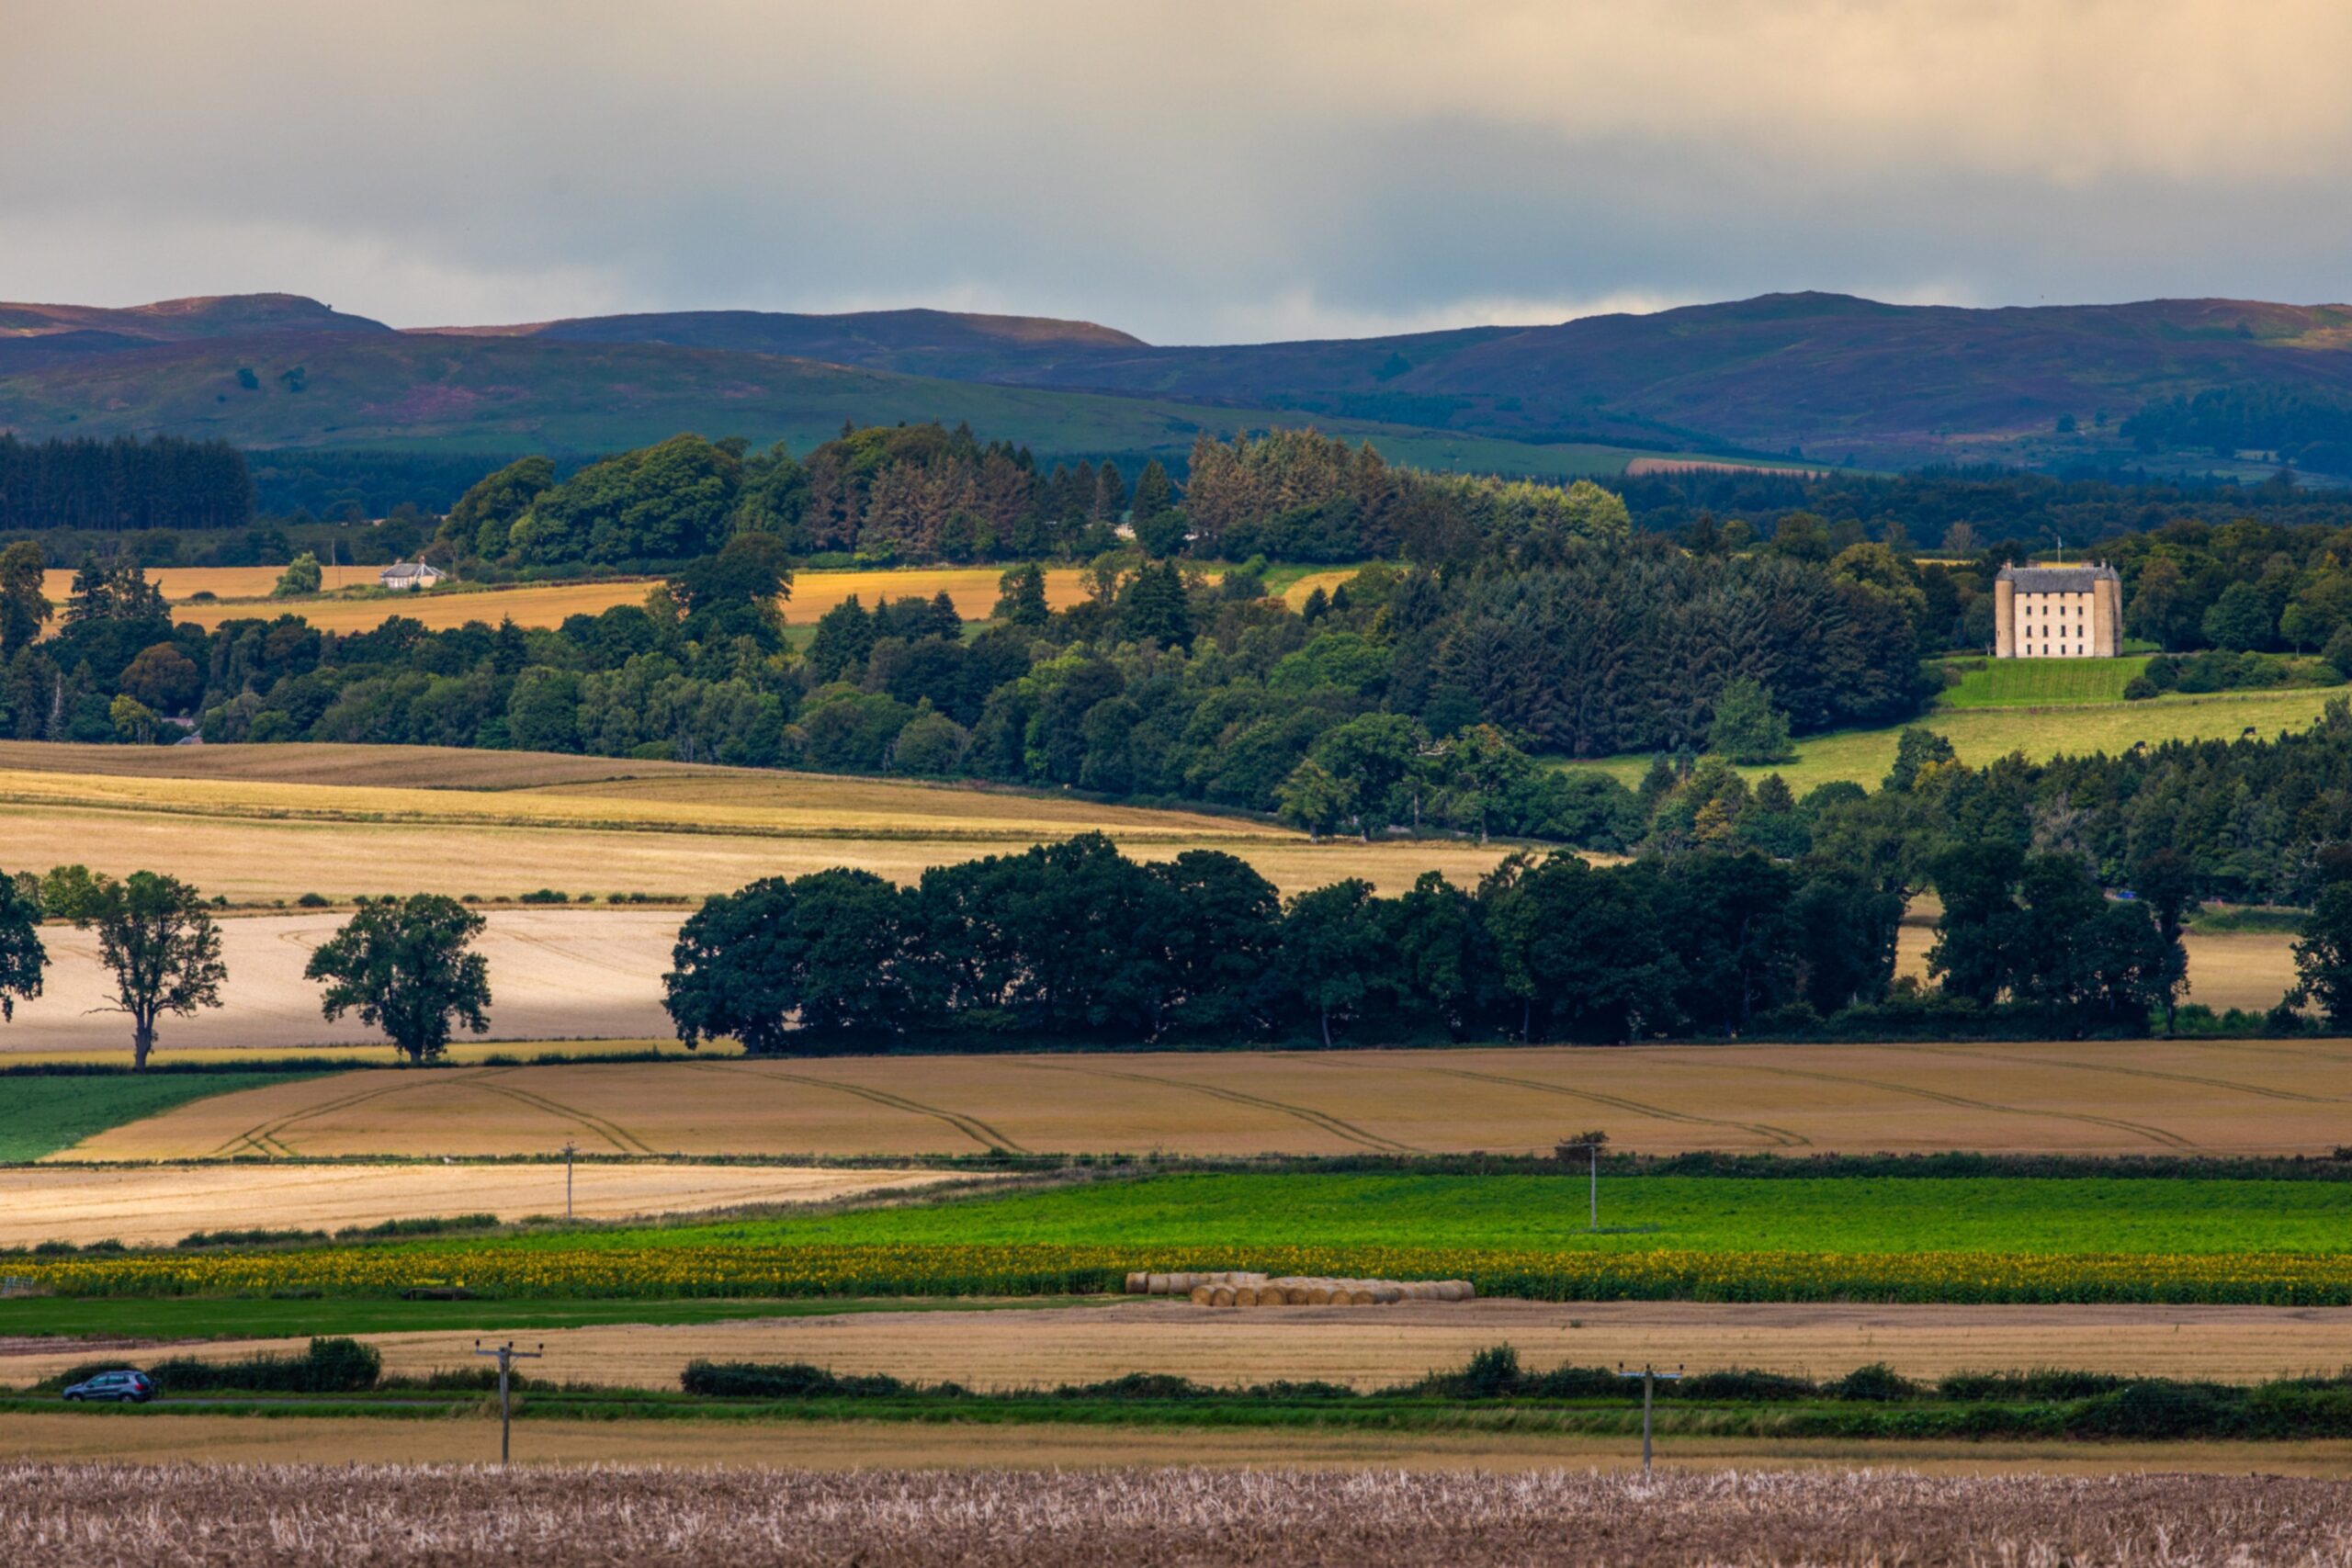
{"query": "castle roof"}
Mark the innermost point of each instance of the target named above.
(2057, 578)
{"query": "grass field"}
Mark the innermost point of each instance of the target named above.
(41, 1115)
(1980, 734)
(999, 1350)
(2038, 682)
(2238, 1097)
(152, 1206)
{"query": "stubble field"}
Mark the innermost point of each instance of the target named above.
(1001, 1351)
(242, 593)
(87, 1516)
(155, 1206)
(2143, 1097)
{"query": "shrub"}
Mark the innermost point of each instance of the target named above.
(1745, 1386)
(1876, 1381)
(313, 901)
(2139, 689)
(547, 895)
(2041, 1384)
(2159, 1410)
(789, 1379)
(330, 1366)
(245, 1238)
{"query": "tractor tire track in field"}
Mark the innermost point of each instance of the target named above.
(1780, 1137)
(972, 1127)
(2231, 1084)
(267, 1138)
(2137, 1129)
(263, 1137)
(1329, 1123)
(613, 1133)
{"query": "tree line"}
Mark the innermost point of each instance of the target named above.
(404, 964)
(127, 483)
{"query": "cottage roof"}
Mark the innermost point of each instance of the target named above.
(410, 569)
(2057, 578)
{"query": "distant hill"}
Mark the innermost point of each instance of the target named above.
(502, 393)
(1837, 379)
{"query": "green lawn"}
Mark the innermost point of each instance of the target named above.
(40, 1114)
(1982, 734)
(2038, 682)
(1892, 1214)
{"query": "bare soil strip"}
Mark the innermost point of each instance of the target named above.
(158, 1206)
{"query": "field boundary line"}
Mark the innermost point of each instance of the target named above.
(1329, 1123)
(1780, 1137)
(972, 1127)
(2156, 1134)
(1958, 1054)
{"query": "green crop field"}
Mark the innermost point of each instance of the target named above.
(1983, 733)
(1874, 1214)
(40, 1115)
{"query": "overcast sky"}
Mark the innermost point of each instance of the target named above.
(1196, 171)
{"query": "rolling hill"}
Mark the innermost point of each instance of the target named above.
(1837, 379)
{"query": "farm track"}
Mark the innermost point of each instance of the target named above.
(2154, 1135)
(1779, 1136)
(979, 1132)
(267, 1138)
(1329, 1123)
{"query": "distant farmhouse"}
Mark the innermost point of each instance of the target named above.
(2057, 612)
(404, 575)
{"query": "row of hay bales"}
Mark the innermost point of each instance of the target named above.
(1236, 1288)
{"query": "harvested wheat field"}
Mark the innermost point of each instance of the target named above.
(156, 1206)
(1370, 1347)
(554, 974)
(2226, 969)
(2137, 1096)
(243, 593)
(270, 823)
(81, 1516)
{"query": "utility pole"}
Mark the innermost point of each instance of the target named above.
(1650, 1376)
(1591, 1147)
(507, 1355)
(569, 1146)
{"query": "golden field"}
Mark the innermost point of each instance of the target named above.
(242, 593)
(1373, 1348)
(149, 1206)
(554, 974)
(2139, 1097)
(2226, 969)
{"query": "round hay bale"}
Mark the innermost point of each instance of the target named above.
(1156, 1285)
(1363, 1296)
(1386, 1295)
(1453, 1291)
(1220, 1296)
(1139, 1283)
(1319, 1295)
(1248, 1296)
(1204, 1295)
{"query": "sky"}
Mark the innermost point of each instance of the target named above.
(1191, 171)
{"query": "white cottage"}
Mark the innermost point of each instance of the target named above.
(404, 575)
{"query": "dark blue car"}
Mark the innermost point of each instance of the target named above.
(137, 1388)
